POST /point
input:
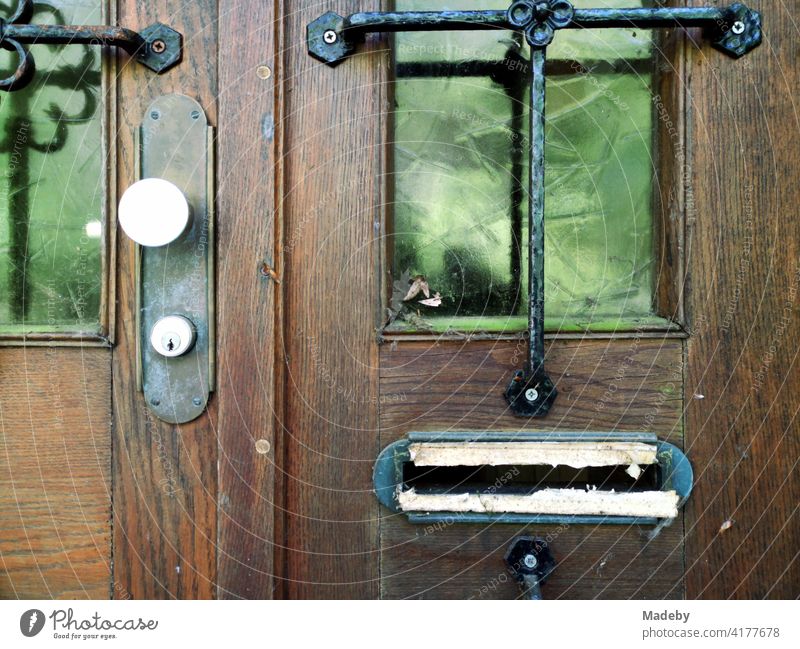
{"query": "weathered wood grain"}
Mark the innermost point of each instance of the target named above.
(743, 305)
(466, 561)
(164, 477)
(332, 213)
(605, 385)
(55, 461)
(248, 307)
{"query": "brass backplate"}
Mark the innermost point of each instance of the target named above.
(175, 143)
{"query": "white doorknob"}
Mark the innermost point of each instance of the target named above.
(153, 212)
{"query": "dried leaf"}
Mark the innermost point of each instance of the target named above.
(436, 300)
(419, 284)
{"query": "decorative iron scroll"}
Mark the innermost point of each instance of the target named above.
(157, 47)
(735, 30)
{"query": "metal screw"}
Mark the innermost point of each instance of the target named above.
(530, 561)
(531, 394)
(158, 46)
(738, 27)
(155, 114)
(197, 401)
(154, 401)
(263, 72)
(170, 340)
(330, 37)
(542, 10)
(195, 114)
(263, 446)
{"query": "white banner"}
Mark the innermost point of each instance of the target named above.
(386, 625)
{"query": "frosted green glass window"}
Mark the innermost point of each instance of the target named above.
(52, 184)
(459, 214)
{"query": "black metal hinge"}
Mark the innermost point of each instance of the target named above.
(735, 30)
(157, 47)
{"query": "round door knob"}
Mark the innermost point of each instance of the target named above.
(153, 212)
(173, 335)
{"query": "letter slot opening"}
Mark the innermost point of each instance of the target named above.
(534, 477)
(521, 479)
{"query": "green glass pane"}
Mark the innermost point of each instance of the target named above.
(52, 188)
(460, 177)
(602, 44)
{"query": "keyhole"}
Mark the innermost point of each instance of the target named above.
(170, 342)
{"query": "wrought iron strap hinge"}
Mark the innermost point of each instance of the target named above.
(157, 47)
(735, 30)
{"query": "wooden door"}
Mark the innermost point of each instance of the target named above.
(270, 493)
(719, 219)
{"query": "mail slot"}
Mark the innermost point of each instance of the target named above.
(523, 478)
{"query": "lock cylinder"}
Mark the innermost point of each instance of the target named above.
(173, 336)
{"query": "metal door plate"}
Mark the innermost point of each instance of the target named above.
(175, 143)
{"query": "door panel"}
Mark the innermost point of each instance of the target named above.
(605, 385)
(55, 465)
(248, 299)
(333, 149)
(336, 398)
(629, 384)
(743, 303)
(460, 561)
(165, 477)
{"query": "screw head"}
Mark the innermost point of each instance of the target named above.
(738, 27)
(326, 38)
(531, 394)
(164, 48)
(263, 72)
(542, 10)
(155, 401)
(197, 401)
(530, 561)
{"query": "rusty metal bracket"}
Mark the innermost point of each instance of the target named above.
(530, 562)
(734, 30)
(157, 47)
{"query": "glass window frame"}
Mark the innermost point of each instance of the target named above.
(103, 334)
(669, 198)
